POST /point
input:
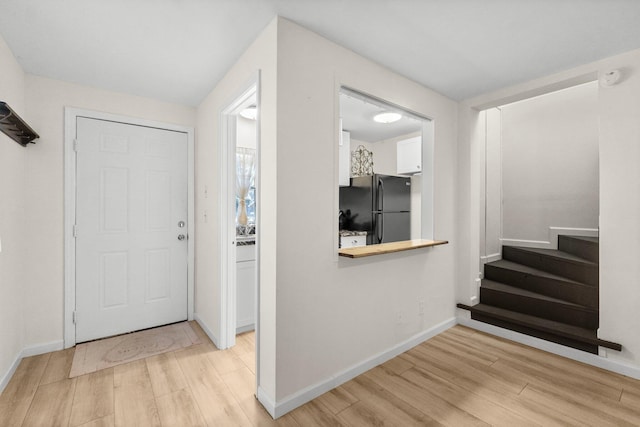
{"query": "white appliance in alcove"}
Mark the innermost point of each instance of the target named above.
(245, 286)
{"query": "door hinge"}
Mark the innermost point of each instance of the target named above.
(74, 317)
(75, 145)
(75, 230)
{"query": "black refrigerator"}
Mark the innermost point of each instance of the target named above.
(379, 205)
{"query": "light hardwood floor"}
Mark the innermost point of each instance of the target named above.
(459, 378)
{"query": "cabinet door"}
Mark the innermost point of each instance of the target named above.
(352, 241)
(344, 157)
(245, 295)
(409, 155)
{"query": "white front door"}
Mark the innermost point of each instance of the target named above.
(131, 210)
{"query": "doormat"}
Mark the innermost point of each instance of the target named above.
(95, 355)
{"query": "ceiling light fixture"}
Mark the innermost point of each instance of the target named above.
(249, 113)
(387, 117)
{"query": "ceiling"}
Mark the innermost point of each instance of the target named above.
(177, 50)
(357, 118)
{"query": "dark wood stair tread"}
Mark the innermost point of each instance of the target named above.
(502, 287)
(554, 253)
(510, 265)
(544, 325)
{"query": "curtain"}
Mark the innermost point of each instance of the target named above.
(245, 176)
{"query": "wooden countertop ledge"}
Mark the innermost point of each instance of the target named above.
(387, 248)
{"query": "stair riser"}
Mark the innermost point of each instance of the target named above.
(582, 248)
(577, 294)
(583, 273)
(540, 308)
(535, 333)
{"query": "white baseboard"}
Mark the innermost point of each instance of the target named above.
(267, 401)
(245, 328)
(491, 258)
(32, 350)
(552, 243)
(554, 232)
(12, 370)
(540, 244)
(206, 329)
(307, 394)
(560, 350)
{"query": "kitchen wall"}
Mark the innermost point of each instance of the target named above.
(618, 135)
(334, 314)
(550, 163)
(14, 256)
(385, 155)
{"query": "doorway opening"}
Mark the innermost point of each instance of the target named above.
(239, 226)
(385, 172)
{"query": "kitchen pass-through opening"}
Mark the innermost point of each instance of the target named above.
(385, 172)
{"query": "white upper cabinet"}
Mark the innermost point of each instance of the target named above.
(409, 156)
(344, 159)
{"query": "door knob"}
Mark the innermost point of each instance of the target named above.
(181, 236)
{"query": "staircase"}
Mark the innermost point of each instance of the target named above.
(546, 293)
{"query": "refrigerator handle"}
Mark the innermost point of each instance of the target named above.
(374, 228)
(380, 195)
(381, 238)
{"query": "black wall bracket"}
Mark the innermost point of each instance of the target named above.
(14, 127)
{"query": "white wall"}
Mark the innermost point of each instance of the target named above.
(491, 185)
(619, 133)
(335, 313)
(12, 223)
(619, 110)
(261, 56)
(550, 163)
(46, 99)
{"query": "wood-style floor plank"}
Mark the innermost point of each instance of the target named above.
(135, 404)
(58, 366)
(488, 390)
(315, 413)
(165, 374)
(458, 371)
(461, 377)
(543, 361)
(179, 409)
(51, 405)
(244, 344)
(576, 408)
(249, 360)
(630, 397)
(337, 400)
(25, 380)
(225, 361)
(18, 394)
(108, 421)
(213, 396)
(425, 401)
(483, 409)
(93, 397)
(13, 413)
(377, 405)
(475, 357)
